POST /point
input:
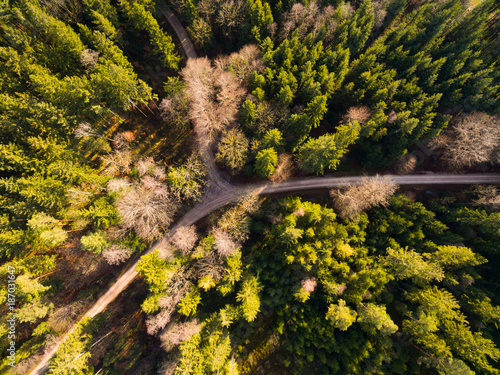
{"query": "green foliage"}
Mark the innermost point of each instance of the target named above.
(94, 242)
(142, 19)
(102, 213)
(233, 149)
(341, 316)
(375, 320)
(320, 154)
(74, 353)
(188, 305)
(45, 227)
(260, 18)
(407, 264)
(265, 162)
(33, 311)
(273, 138)
(233, 273)
(248, 296)
(154, 270)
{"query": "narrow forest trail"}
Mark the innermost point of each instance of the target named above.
(221, 193)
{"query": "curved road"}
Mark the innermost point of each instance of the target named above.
(222, 193)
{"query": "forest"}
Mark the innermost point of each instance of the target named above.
(122, 155)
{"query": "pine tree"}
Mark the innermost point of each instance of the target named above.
(265, 162)
(325, 152)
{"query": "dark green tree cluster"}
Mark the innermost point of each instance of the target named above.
(141, 18)
(393, 292)
(385, 294)
(409, 66)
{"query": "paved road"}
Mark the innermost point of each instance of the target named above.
(221, 193)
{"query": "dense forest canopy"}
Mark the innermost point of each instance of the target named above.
(109, 135)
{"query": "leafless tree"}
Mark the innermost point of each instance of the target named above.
(407, 163)
(174, 111)
(179, 285)
(147, 210)
(147, 166)
(116, 254)
(236, 220)
(359, 114)
(224, 244)
(229, 95)
(488, 196)
(372, 191)
(117, 163)
(63, 317)
(117, 184)
(393, 116)
(300, 212)
(89, 58)
(212, 265)
(309, 284)
(246, 61)
(185, 238)
(116, 232)
(284, 168)
(178, 332)
(309, 19)
(170, 364)
(84, 129)
(214, 96)
(379, 9)
(25, 365)
(123, 139)
(474, 139)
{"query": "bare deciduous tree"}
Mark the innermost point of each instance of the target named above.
(488, 196)
(123, 139)
(147, 210)
(214, 96)
(116, 254)
(246, 61)
(88, 58)
(83, 130)
(185, 238)
(117, 163)
(212, 265)
(25, 365)
(407, 163)
(359, 114)
(224, 244)
(116, 232)
(63, 317)
(236, 220)
(178, 332)
(170, 364)
(147, 166)
(179, 286)
(117, 184)
(309, 284)
(309, 19)
(372, 191)
(284, 168)
(474, 139)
